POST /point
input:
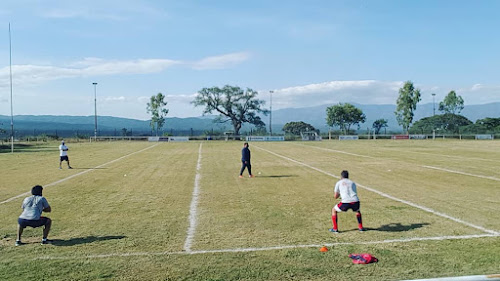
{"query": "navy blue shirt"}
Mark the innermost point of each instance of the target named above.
(245, 154)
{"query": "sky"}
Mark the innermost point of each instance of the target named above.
(308, 53)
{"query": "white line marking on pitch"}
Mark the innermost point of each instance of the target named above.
(462, 173)
(283, 247)
(424, 166)
(193, 209)
(78, 174)
(389, 196)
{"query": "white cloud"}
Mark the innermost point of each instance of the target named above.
(29, 74)
(363, 91)
(222, 61)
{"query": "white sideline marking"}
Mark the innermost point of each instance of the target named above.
(462, 278)
(424, 166)
(283, 247)
(462, 173)
(390, 196)
(194, 206)
(78, 174)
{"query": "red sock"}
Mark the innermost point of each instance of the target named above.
(334, 220)
(360, 222)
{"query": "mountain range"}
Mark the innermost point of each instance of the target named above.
(108, 125)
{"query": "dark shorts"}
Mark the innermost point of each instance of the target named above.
(33, 223)
(344, 207)
(64, 158)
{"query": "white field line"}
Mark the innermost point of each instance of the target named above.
(491, 277)
(390, 196)
(78, 174)
(395, 160)
(193, 209)
(462, 173)
(282, 247)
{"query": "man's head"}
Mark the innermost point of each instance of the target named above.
(37, 190)
(344, 174)
(245, 144)
(62, 142)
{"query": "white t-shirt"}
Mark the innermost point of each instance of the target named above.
(347, 190)
(63, 149)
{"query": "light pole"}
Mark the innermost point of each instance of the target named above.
(433, 105)
(95, 110)
(271, 113)
(11, 107)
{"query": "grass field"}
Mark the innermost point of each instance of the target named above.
(128, 211)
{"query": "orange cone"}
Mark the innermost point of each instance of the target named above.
(323, 249)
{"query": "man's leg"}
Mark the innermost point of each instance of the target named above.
(334, 220)
(46, 229)
(243, 165)
(360, 222)
(69, 167)
(19, 232)
(249, 168)
(60, 163)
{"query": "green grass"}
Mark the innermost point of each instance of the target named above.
(140, 220)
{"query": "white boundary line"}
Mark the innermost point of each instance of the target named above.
(461, 173)
(395, 160)
(193, 209)
(390, 196)
(282, 247)
(78, 174)
(491, 277)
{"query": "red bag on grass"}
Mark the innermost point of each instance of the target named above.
(362, 258)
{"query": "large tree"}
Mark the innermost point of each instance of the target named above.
(407, 101)
(379, 124)
(446, 123)
(344, 115)
(296, 128)
(233, 104)
(452, 103)
(156, 106)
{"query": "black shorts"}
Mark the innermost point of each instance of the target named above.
(33, 223)
(344, 207)
(64, 158)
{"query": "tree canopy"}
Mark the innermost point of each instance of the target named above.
(296, 127)
(452, 103)
(156, 106)
(447, 123)
(344, 115)
(379, 124)
(407, 101)
(233, 104)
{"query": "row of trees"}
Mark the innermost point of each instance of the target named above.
(238, 106)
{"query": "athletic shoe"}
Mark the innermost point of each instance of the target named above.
(60, 168)
(361, 229)
(70, 168)
(251, 176)
(46, 241)
(240, 176)
(333, 230)
(19, 243)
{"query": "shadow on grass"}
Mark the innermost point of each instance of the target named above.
(276, 176)
(84, 240)
(82, 168)
(398, 227)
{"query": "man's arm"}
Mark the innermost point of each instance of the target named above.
(337, 195)
(47, 210)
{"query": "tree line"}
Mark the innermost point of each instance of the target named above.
(237, 106)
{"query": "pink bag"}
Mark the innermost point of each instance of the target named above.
(362, 258)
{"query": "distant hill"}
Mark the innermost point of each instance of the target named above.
(108, 125)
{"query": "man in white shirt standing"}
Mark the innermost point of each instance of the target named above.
(346, 190)
(63, 155)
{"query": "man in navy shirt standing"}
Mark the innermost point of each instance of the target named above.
(245, 161)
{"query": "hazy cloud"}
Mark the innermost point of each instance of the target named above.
(29, 74)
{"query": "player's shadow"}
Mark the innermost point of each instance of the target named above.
(84, 240)
(277, 176)
(83, 168)
(398, 227)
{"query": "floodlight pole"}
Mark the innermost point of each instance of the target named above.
(11, 106)
(95, 110)
(433, 105)
(271, 113)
